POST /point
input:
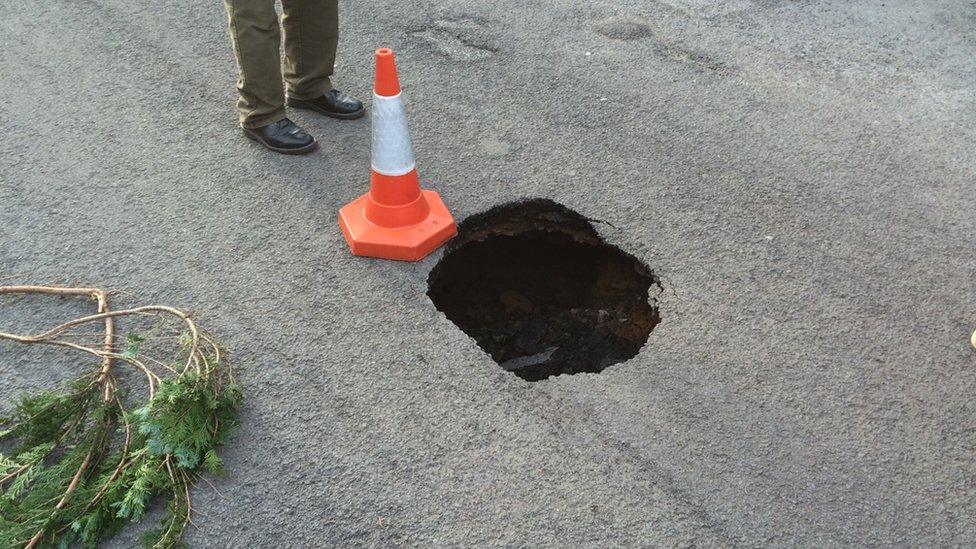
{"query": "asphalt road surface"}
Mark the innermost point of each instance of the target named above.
(800, 175)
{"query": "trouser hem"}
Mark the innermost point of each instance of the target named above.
(252, 122)
(314, 93)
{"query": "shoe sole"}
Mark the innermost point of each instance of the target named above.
(301, 150)
(302, 104)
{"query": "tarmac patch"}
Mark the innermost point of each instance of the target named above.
(495, 147)
(461, 39)
(542, 293)
(695, 59)
(622, 28)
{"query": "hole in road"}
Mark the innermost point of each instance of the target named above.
(541, 292)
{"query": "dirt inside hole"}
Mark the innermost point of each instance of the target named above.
(541, 292)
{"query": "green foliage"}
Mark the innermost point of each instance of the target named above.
(56, 436)
(48, 416)
(132, 344)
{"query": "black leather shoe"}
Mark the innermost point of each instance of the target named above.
(283, 136)
(333, 103)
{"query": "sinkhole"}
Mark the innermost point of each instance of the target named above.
(541, 292)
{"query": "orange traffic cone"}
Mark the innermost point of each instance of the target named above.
(396, 219)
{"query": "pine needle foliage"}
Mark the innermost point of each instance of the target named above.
(83, 462)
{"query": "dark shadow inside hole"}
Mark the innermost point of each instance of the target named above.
(541, 292)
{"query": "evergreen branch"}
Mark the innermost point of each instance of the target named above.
(87, 492)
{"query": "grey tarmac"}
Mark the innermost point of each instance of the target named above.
(800, 175)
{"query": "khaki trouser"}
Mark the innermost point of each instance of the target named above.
(311, 36)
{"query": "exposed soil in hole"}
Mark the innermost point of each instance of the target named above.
(539, 290)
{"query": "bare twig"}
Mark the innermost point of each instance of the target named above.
(51, 290)
(108, 317)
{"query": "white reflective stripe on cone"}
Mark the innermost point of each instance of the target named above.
(392, 150)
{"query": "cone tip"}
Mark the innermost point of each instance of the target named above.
(387, 83)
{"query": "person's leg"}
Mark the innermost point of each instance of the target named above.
(311, 38)
(256, 36)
